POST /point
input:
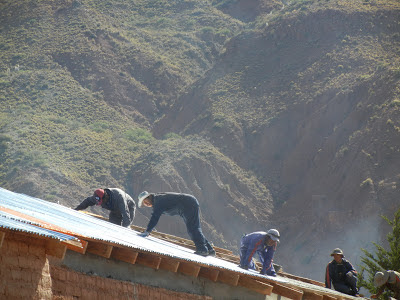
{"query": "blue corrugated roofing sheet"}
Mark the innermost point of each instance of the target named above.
(9, 221)
(85, 225)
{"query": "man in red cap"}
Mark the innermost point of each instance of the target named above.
(121, 205)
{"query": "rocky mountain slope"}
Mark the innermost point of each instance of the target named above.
(272, 113)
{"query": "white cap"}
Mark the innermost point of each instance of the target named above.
(142, 196)
(274, 234)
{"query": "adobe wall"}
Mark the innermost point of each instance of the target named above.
(27, 273)
(140, 274)
(24, 269)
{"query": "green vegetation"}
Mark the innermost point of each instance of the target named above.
(383, 259)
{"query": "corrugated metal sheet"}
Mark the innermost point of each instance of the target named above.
(84, 225)
(9, 221)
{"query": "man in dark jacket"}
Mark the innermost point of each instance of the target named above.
(341, 274)
(174, 204)
(262, 243)
(121, 205)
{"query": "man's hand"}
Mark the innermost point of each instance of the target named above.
(144, 234)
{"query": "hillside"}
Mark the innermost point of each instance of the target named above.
(272, 113)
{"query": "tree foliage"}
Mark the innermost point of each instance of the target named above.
(382, 259)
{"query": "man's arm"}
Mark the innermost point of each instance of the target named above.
(89, 201)
(328, 278)
(155, 216)
(268, 256)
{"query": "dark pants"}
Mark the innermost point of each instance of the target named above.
(191, 216)
(348, 286)
(115, 217)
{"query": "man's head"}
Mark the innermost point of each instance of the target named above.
(274, 236)
(99, 196)
(144, 199)
(337, 254)
(381, 278)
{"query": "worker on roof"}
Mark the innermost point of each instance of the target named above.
(174, 204)
(264, 243)
(121, 205)
(387, 280)
(341, 274)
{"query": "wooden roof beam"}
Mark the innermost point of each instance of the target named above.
(189, 269)
(255, 285)
(149, 260)
(327, 297)
(313, 296)
(209, 273)
(55, 248)
(124, 254)
(228, 277)
(169, 264)
(287, 292)
(99, 249)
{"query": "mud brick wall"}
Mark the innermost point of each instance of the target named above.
(26, 273)
(69, 284)
(24, 269)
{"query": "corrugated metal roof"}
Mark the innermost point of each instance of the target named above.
(84, 225)
(26, 213)
(9, 221)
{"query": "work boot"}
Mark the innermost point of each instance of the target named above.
(202, 253)
(211, 252)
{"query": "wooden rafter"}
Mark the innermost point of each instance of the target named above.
(189, 269)
(169, 264)
(287, 292)
(124, 254)
(99, 249)
(255, 285)
(209, 273)
(149, 260)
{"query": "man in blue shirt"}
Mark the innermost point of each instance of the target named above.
(174, 204)
(262, 243)
(121, 205)
(341, 274)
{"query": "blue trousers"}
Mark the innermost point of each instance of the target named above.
(191, 216)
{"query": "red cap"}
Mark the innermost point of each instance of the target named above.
(100, 194)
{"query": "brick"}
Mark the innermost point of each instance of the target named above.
(16, 274)
(37, 251)
(23, 248)
(12, 261)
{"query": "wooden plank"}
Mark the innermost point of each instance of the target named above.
(312, 296)
(287, 292)
(55, 248)
(327, 297)
(124, 254)
(79, 246)
(255, 285)
(2, 235)
(209, 273)
(99, 249)
(149, 260)
(189, 269)
(227, 277)
(169, 264)
(284, 274)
